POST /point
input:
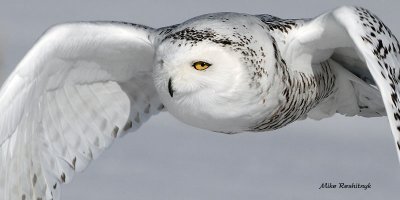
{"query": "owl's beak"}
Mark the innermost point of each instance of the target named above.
(170, 89)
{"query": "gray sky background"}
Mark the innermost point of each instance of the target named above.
(166, 159)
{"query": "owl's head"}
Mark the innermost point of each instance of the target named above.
(212, 72)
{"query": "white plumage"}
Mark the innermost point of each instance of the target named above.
(84, 84)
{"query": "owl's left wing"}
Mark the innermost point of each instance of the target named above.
(78, 89)
(365, 55)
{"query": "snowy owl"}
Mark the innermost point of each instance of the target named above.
(84, 84)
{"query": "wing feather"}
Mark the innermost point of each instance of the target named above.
(367, 56)
(80, 87)
(381, 51)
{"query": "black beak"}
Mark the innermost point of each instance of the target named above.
(170, 90)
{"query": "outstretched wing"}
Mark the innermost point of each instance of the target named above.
(365, 56)
(81, 86)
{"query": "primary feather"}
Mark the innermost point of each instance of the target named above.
(79, 88)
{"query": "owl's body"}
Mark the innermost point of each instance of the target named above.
(84, 84)
(271, 90)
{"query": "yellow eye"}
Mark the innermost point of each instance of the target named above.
(200, 65)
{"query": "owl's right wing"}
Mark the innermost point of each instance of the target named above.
(81, 86)
(365, 56)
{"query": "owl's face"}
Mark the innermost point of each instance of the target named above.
(204, 78)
